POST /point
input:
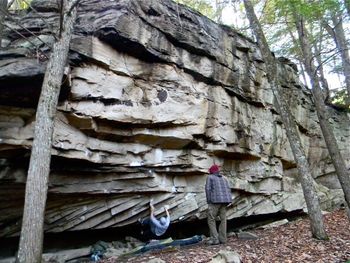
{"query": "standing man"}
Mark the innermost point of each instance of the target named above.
(218, 195)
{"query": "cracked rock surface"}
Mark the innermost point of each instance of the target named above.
(154, 95)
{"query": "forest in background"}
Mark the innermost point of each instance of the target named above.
(327, 22)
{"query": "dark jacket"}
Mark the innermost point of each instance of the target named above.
(217, 190)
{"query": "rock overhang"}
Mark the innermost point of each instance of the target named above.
(156, 93)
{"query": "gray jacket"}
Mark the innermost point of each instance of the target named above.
(217, 190)
(157, 227)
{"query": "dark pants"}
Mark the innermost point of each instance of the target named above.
(146, 233)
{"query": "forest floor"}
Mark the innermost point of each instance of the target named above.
(287, 243)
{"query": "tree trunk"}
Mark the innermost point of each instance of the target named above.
(3, 10)
(302, 72)
(343, 49)
(347, 6)
(32, 232)
(323, 79)
(311, 198)
(219, 6)
(321, 110)
(298, 54)
(338, 35)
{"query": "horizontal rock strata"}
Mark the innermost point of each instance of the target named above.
(153, 95)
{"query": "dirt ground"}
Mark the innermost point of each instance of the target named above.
(288, 243)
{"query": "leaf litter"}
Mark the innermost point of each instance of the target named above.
(289, 243)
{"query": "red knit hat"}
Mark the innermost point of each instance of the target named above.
(214, 169)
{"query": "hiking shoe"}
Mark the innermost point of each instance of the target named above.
(213, 243)
(222, 242)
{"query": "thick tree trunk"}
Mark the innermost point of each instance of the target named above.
(3, 10)
(311, 198)
(343, 49)
(327, 131)
(31, 240)
(338, 36)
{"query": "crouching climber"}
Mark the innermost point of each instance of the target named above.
(153, 228)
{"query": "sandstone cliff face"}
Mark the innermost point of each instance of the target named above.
(154, 94)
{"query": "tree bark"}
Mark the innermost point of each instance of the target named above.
(347, 6)
(3, 10)
(311, 198)
(32, 232)
(338, 35)
(323, 79)
(343, 49)
(321, 110)
(219, 6)
(298, 54)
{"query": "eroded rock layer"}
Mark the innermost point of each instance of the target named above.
(155, 93)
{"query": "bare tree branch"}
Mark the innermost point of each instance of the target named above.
(10, 3)
(73, 5)
(23, 36)
(26, 29)
(61, 18)
(40, 16)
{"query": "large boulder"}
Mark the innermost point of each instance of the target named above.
(153, 95)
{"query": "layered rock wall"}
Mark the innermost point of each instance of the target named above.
(154, 94)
